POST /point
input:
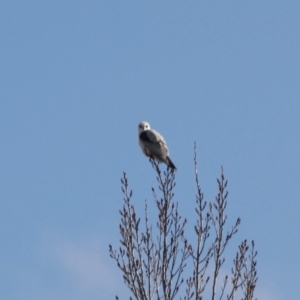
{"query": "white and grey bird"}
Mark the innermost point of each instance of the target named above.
(154, 145)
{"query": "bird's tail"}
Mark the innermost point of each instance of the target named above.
(170, 164)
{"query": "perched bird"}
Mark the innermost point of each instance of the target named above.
(154, 145)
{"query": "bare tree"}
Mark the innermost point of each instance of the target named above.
(156, 261)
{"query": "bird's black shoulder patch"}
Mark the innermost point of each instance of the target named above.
(144, 136)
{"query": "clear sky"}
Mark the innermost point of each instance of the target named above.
(77, 77)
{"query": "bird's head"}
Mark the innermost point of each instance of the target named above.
(143, 126)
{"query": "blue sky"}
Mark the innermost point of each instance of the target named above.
(77, 77)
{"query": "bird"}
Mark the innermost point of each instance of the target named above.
(154, 145)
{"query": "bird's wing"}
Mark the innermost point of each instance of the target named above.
(152, 136)
(154, 143)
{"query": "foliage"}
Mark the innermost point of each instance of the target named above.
(155, 262)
